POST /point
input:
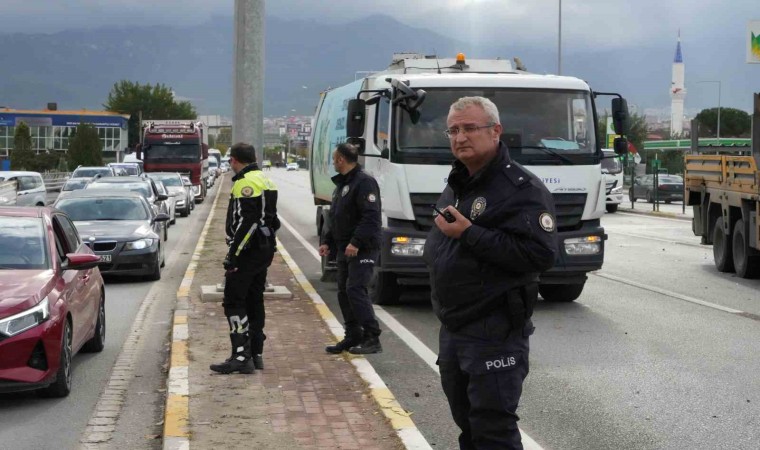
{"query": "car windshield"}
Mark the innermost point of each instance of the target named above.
(89, 173)
(541, 126)
(129, 168)
(168, 180)
(173, 152)
(73, 185)
(140, 188)
(103, 208)
(23, 244)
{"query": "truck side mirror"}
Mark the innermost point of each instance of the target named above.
(620, 116)
(620, 146)
(355, 118)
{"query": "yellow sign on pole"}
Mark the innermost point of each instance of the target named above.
(611, 133)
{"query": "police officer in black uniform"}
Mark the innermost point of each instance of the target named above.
(251, 225)
(495, 235)
(354, 231)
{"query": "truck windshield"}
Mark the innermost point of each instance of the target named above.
(171, 153)
(611, 164)
(541, 126)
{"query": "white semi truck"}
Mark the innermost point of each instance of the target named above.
(397, 117)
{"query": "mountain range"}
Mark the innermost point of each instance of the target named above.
(77, 68)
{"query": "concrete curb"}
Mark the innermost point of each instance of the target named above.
(399, 418)
(663, 214)
(177, 409)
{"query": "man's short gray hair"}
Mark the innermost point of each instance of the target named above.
(487, 105)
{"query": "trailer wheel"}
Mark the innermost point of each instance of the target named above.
(746, 265)
(560, 292)
(384, 288)
(722, 248)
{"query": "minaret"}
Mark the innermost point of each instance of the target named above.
(677, 91)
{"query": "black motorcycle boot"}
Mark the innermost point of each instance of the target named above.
(370, 344)
(241, 360)
(353, 337)
(257, 348)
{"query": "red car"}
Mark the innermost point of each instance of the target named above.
(52, 300)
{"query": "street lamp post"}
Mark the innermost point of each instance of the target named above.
(715, 81)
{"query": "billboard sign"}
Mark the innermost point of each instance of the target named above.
(753, 42)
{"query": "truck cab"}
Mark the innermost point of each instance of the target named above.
(397, 118)
(612, 172)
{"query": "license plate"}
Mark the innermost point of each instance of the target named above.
(105, 258)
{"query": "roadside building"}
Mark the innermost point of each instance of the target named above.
(51, 129)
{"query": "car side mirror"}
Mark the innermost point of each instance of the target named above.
(161, 217)
(162, 197)
(80, 261)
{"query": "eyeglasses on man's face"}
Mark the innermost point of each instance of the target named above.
(467, 130)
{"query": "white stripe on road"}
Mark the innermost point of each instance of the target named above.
(668, 293)
(651, 216)
(417, 346)
(651, 238)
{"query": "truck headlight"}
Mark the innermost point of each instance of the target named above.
(617, 190)
(13, 325)
(589, 245)
(406, 246)
(139, 244)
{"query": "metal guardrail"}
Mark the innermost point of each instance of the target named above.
(54, 181)
(7, 193)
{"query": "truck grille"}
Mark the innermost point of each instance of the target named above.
(423, 210)
(569, 208)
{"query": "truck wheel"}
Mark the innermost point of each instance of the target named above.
(722, 248)
(747, 265)
(560, 292)
(329, 274)
(384, 288)
(611, 208)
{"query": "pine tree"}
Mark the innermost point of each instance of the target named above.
(85, 147)
(22, 155)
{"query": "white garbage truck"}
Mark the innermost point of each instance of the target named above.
(397, 117)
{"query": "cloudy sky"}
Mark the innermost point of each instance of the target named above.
(712, 31)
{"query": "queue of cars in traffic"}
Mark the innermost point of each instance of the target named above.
(106, 220)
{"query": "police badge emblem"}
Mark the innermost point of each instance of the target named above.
(478, 208)
(371, 198)
(246, 191)
(344, 191)
(546, 221)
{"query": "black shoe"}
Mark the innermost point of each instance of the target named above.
(234, 365)
(369, 345)
(341, 346)
(258, 362)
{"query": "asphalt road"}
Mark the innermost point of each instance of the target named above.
(29, 422)
(655, 354)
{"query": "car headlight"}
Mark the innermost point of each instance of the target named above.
(589, 245)
(13, 325)
(406, 246)
(139, 244)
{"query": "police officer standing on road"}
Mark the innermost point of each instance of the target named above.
(354, 231)
(251, 225)
(495, 235)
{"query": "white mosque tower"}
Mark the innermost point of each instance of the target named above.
(677, 92)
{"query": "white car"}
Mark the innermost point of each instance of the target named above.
(291, 166)
(30, 188)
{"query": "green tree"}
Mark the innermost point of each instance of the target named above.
(225, 137)
(733, 122)
(85, 147)
(22, 155)
(154, 101)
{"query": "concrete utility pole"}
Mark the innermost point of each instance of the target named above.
(248, 75)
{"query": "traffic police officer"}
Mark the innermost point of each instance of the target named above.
(251, 225)
(495, 235)
(354, 231)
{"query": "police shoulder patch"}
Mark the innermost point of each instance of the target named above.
(372, 198)
(247, 191)
(546, 221)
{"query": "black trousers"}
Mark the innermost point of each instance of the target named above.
(483, 366)
(354, 275)
(244, 293)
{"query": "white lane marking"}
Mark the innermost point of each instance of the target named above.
(651, 238)
(668, 293)
(647, 214)
(417, 346)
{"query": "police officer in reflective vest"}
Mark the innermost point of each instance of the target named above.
(495, 235)
(251, 225)
(354, 231)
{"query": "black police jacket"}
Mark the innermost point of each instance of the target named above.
(355, 211)
(511, 241)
